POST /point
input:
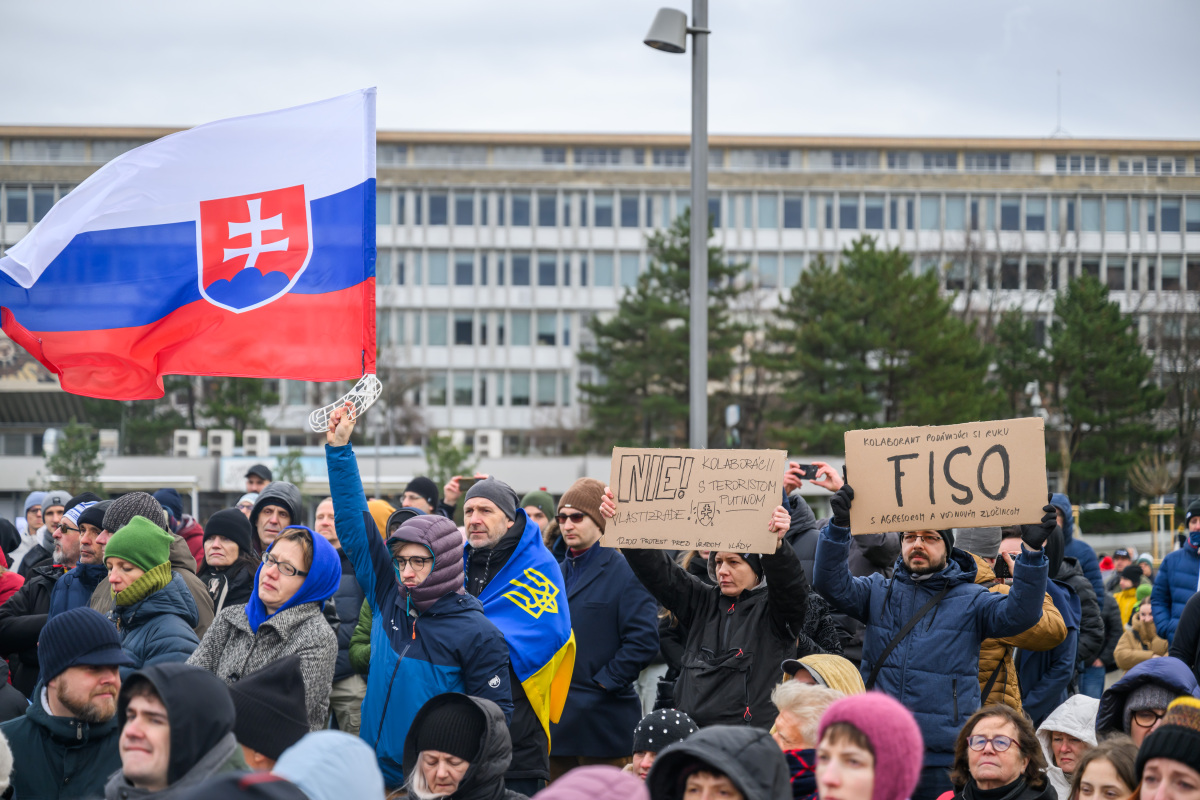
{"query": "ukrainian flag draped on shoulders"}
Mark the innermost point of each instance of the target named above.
(527, 601)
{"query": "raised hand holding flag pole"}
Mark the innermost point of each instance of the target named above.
(244, 247)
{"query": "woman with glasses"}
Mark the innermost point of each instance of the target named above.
(1135, 705)
(428, 636)
(997, 757)
(298, 573)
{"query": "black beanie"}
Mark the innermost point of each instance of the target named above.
(86, 497)
(231, 524)
(661, 728)
(948, 537)
(455, 727)
(1193, 509)
(270, 704)
(426, 488)
(1132, 573)
(94, 515)
(755, 562)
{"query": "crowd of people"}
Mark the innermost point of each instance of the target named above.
(388, 652)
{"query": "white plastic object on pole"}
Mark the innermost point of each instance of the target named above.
(363, 396)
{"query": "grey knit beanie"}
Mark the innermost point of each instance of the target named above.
(1148, 695)
(498, 492)
(134, 504)
(983, 542)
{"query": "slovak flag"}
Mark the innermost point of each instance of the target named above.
(244, 247)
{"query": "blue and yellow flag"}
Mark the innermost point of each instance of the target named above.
(527, 601)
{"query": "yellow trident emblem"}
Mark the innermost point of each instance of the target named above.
(538, 596)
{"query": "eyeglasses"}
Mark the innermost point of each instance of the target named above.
(283, 567)
(925, 538)
(64, 528)
(1147, 717)
(999, 743)
(575, 518)
(416, 562)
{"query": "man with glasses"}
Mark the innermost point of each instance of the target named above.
(42, 552)
(79, 529)
(924, 626)
(615, 620)
(427, 635)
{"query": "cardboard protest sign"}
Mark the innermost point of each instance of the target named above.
(972, 475)
(695, 499)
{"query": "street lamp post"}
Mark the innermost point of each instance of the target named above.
(669, 33)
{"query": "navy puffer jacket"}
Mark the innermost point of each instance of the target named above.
(1176, 582)
(1078, 549)
(934, 671)
(1166, 671)
(158, 628)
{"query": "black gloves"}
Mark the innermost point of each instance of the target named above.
(1034, 536)
(840, 505)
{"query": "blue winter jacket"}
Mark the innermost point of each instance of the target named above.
(1167, 671)
(1078, 549)
(158, 628)
(75, 588)
(451, 647)
(1045, 676)
(619, 619)
(934, 671)
(1177, 580)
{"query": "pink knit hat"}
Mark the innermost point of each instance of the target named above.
(893, 734)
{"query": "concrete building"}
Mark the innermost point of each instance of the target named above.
(496, 249)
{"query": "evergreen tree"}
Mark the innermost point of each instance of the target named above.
(1101, 399)
(145, 426)
(641, 353)
(75, 463)
(872, 344)
(236, 403)
(1019, 360)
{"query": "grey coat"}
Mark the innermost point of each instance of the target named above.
(231, 651)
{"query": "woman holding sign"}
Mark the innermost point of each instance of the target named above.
(738, 631)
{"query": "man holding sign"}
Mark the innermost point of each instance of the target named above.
(925, 625)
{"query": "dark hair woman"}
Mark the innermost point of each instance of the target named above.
(997, 757)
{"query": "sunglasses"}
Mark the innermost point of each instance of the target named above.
(575, 518)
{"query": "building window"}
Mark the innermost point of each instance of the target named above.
(873, 213)
(436, 267)
(939, 160)
(897, 160)
(554, 155)
(521, 329)
(1114, 273)
(670, 157)
(547, 210)
(930, 213)
(629, 269)
(956, 213)
(1010, 274)
(464, 209)
(1035, 213)
(597, 156)
(547, 386)
(464, 385)
(1092, 267)
(714, 212)
(1114, 214)
(464, 270)
(772, 159)
(383, 207)
(768, 271)
(520, 210)
(520, 269)
(768, 211)
(852, 159)
(547, 270)
(603, 263)
(629, 211)
(464, 328)
(848, 212)
(793, 265)
(1151, 215)
(499, 388)
(438, 209)
(43, 201)
(437, 322)
(566, 329)
(566, 388)
(17, 204)
(604, 210)
(1170, 218)
(1171, 269)
(1010, 214)
(1193, 215)
(793, 211)
(987, 162)
(1035, 275)
(436, 392)
(391, 155)
(519, 388)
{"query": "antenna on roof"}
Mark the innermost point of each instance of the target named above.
(1059, 130)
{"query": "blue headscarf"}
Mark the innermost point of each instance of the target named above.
(323, 579)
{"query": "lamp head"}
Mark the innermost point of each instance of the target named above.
(668, 32)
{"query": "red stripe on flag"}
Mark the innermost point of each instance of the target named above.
(308, 337)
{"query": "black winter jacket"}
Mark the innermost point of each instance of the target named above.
(21, 621)
(1112, 631)
(734, 646)
(60, 757)
(748, 757)
(1091, 626)
(347, 601)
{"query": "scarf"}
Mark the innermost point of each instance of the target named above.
(323, 579)
(151, 581)
(1008, 792)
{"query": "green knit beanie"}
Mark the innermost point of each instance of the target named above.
(141, 543)
(1143, 591)
(540, 499)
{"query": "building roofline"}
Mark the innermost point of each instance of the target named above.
(1045, 144)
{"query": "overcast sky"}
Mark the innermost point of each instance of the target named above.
(873, 67)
